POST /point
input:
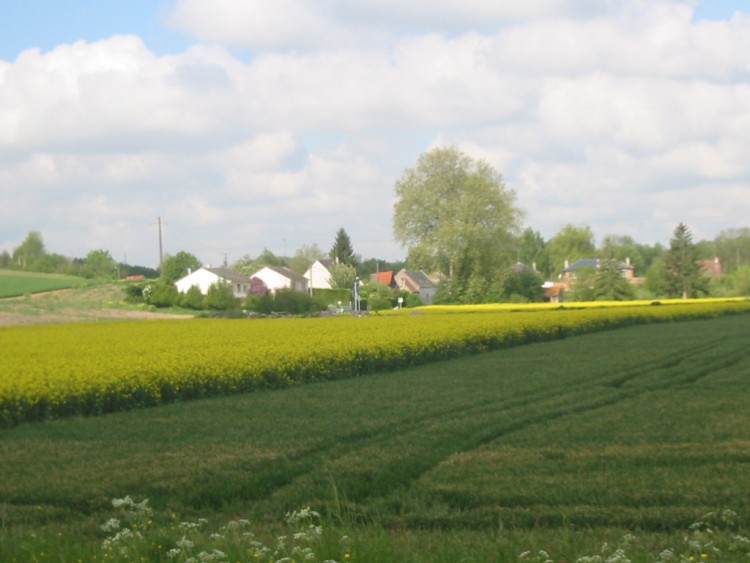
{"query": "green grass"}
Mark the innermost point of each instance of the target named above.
(15, 283)
(557, 446)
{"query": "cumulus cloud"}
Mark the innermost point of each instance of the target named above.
(629, 116)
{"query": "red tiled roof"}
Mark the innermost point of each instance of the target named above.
(386, 278)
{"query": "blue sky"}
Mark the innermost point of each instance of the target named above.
(252, 124)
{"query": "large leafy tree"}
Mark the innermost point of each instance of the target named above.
(30, 251)
(684, 276)
(569, 244)
(733, 248)
(99, 264)
(342, 251)
(456, 217)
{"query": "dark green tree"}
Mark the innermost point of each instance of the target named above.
(342, 251)
(684, 276)
(178, 266)
(523, 286)
(610, 284)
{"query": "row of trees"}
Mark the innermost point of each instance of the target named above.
(458, 220)
(32, 256)
(460, 224)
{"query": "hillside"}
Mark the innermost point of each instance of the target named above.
(73, 304)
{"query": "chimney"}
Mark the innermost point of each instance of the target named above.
(627, 260)
(567, 264)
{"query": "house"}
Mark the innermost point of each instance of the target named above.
(386, 278)
(570, 272)
(417, 282)
(318, 275)
(207, 276)
(711, 268)
(279, 277)
(553, 292)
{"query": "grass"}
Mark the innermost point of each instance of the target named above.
(558, 446)
(15, 283)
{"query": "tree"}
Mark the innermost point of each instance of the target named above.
(733, 248)
(571, 243)
(523, 286)
(99, 264)
(532, 250)
(623, 248)
(29, 252)
(684, 276)
(342, 276)
(342, 251)
(177, 266)
(610, 284)
(456, 217)
(304, 257)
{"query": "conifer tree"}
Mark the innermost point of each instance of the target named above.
(684, 277)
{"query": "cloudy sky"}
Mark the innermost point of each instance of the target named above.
(252, 124)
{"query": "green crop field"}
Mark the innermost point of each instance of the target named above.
(14, 283)
(540, 452)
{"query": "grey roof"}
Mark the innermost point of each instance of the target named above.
(229, 275)
(594, 263)
(291, 274)
(420, 278)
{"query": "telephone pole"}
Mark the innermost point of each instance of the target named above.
(161, 248)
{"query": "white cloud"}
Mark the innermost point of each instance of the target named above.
(624, 115)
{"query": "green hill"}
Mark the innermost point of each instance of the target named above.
(14, 283)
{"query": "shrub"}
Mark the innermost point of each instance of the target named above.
(220, 297)
(290, 301)
(162, 295)
(192, 298)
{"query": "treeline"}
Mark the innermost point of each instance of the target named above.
(32, 256)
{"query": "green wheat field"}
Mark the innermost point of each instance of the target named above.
(625, 445)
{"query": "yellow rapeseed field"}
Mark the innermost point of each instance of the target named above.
(89, 368)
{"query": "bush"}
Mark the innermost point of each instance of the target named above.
(259, 303)
(291, 301)
(220, 297)
(161, 294)
(192, 298)
(134, 293)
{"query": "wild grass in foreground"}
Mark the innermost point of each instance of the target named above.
(555, 448)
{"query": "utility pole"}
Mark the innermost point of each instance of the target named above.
(161, 248)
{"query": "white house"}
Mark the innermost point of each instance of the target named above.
(319, 274)
(278, 277)
(206, 276)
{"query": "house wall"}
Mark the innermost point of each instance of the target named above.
(275, 281)
(202, 278)
(205, 279)
(318, 276)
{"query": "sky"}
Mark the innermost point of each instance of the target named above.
(247, 125)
